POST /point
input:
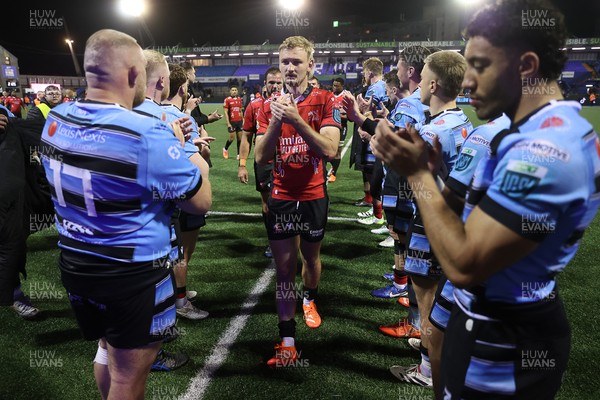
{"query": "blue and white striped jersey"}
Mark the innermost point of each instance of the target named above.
(451, 126)
(113, 175)
(409, 110)
(542, 181)
(174, 113)
(475, 147)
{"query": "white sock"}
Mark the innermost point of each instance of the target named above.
(101, 356)
(400, 287)
(288, 341)
(425, 367)
(306, 301)
(180, 302)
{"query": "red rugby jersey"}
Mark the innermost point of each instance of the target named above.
(233, 105)
(298, 173)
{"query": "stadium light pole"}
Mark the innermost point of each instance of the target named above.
(75, 63)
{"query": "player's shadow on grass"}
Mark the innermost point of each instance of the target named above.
(40, 242)
(349, 251)
(339, 352)
(58, 337)
(46, 314)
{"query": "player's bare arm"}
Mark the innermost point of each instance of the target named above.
(479, 248)
(201, 202)
(244, 152)
(264, 150)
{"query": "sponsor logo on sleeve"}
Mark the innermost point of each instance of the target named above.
(428, 134)
(480, 140)
(174, 152)
(336, 116)
(521, 178)
(543, 151)
(465, 159)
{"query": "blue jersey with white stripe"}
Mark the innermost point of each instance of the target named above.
(420, 259)
(113, 175)
(377, 92)
(409, 110)
(475, 147)
(451, 127)
(174, 113)
(542, 183)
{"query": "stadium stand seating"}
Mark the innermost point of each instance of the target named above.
(220, 70)
(246, 70)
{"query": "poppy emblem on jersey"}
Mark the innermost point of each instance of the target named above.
(312, 116)
(552, 121)
(174, 152)
(464, 133)
(440, 122)
(598, 146)
(52, 128)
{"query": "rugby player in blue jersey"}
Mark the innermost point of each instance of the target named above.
(189, 224)
(108, 168)
(529, 204)
(441, 80)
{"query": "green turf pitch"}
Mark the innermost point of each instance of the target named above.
(346, 358)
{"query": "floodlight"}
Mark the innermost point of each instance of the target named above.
(133, 8)
(291, 4)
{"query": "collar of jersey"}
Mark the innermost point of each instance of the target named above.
(305, 94)
(169, 105)
(551, 103)
(88, 101)
(152, 100)
(432, 117)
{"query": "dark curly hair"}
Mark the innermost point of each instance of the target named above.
(524, 25)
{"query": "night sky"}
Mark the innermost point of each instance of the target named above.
(42, 50)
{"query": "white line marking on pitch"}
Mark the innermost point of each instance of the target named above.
(344, 150)
(199, 384)
(231, 213)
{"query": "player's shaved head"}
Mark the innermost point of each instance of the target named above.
(104, 51)
(157, 73)
(114, 68)
(155, 62)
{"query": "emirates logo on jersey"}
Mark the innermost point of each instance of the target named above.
(552, 121)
